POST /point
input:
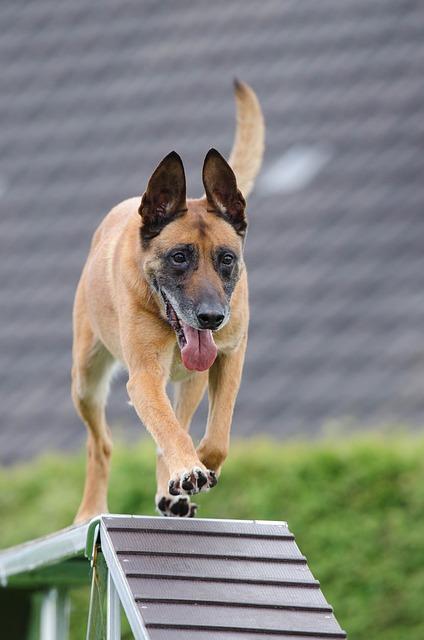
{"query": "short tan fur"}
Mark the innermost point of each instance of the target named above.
(164, 293)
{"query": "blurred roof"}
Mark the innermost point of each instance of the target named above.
(95, 94)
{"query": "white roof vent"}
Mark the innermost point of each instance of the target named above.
(295, 169)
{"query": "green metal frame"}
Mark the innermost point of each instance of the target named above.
(56, 559)
(47, 568)
(39, 574)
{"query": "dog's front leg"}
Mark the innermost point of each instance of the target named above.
(224, 383)
(146, 388)
(187, 396)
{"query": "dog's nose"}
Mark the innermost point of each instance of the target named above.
(209, 317)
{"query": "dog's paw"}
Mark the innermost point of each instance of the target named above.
(176, 507)
(191, 482)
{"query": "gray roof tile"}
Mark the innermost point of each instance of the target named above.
(94, 95)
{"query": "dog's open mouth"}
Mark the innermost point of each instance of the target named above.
(198, 348)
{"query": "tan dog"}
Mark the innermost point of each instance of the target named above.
(164, 291)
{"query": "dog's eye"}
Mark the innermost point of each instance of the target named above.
(178, 257)
(227, 259)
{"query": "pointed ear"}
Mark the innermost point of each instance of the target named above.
(221, 191)
(165, 196)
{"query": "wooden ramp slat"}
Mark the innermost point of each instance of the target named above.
(202, 634)
(215, 568)
(222, 545)
(241, 592)
(201, 526)
(213, 616)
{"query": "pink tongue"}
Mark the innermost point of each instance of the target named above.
(200, 351)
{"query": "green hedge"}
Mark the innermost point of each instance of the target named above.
(356, 508)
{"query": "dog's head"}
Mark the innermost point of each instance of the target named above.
(192, 251)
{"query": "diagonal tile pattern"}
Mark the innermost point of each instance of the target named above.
(94, 94)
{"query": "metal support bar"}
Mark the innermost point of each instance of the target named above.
(113, 611)
(96, 626)
(54, 615)
(121, 585)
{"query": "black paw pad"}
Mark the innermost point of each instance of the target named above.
(201, 479)
(163, 504)
(180, 508)
(174, 488)
(212, 479)
(188, 483)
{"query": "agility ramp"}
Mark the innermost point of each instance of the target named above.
(175, 579)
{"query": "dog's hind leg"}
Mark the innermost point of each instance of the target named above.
(187, 397)
(91, 373)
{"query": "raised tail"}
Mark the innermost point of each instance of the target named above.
(249, 141)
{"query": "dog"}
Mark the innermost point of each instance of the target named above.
(164, 292)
